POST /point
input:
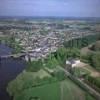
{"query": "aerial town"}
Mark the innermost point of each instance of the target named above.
(39, 38)
(58, 56)
(49, 49)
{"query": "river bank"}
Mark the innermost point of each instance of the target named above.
(9, 69)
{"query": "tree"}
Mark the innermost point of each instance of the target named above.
(96, 46)
(96, 60)
(61, 55)
(60, 75)
(52, 62)
(34, 66)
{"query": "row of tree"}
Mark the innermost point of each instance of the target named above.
(81, 42)
(93, 59)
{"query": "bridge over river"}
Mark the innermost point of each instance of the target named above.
(13, 55)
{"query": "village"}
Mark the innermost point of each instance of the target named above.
(54, 52)
(42, 37)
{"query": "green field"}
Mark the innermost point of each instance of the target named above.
(45, 92)
(64, 90)
(42, 86)
(26, 80)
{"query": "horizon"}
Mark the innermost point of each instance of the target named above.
(49, 17)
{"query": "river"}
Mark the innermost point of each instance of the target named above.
(9, 69)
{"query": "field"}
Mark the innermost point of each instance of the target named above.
(45, 92)
(70, 91)
(64, 90)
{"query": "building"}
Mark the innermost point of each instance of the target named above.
(73, 62)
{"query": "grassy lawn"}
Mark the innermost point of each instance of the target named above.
(45, 92)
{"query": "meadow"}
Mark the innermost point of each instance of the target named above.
(62, 90)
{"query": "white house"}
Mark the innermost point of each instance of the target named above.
(73, 62)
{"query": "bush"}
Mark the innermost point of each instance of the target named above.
(96, 60)
(60, 75)
(94, 81)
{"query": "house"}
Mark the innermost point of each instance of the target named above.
(73, 62)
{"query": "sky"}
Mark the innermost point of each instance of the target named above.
(60, 8)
